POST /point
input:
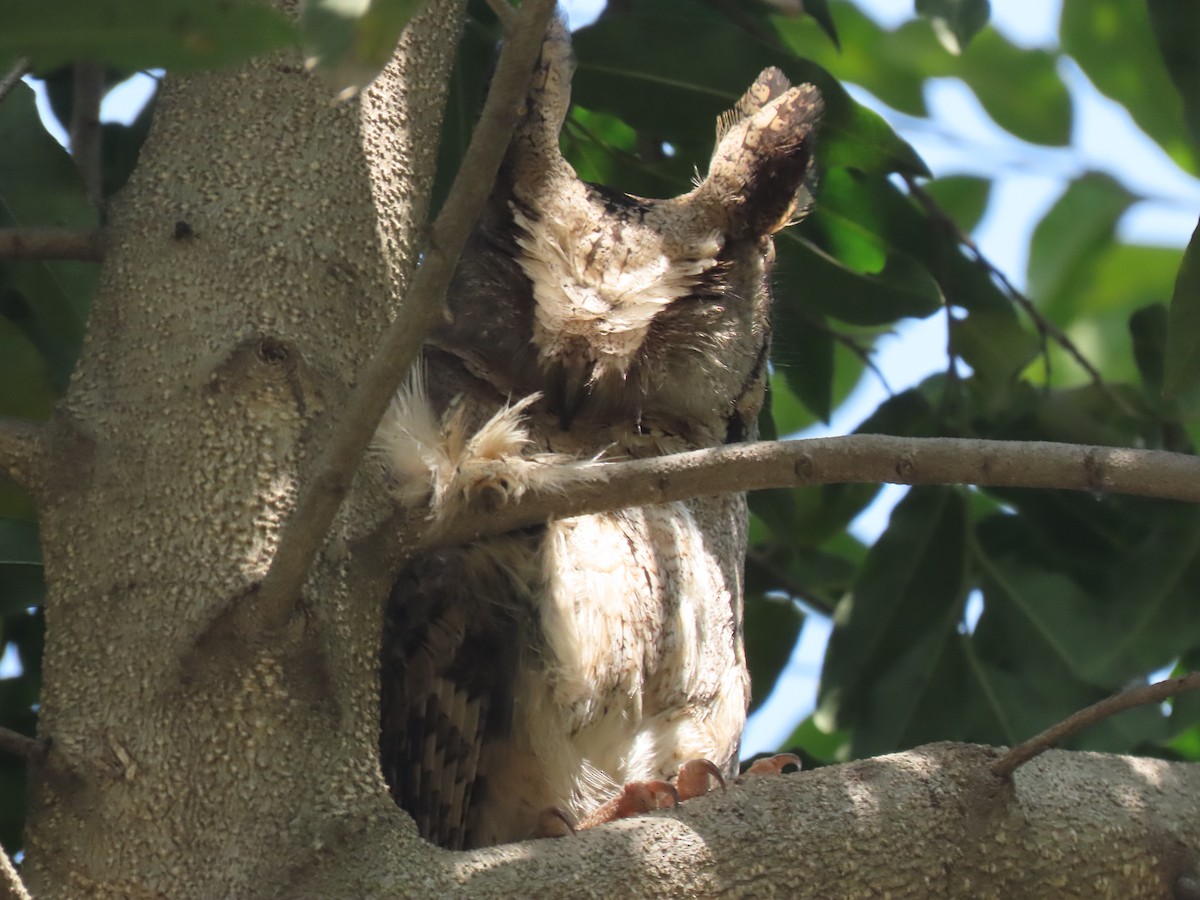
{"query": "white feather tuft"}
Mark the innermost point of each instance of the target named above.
(438, 463)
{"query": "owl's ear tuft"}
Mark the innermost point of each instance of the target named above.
(765, 155)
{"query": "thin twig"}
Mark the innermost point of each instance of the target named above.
(856, 458)
(11, 886)
(12, 76)
(27, 748)
(85, 128)
(309, 523)
(22, 449)
(83, 244)
(1145, 695)
(1044, 326)
(787, 583)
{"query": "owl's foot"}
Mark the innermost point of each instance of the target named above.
(771, 765)
(695, 779)
(635, 798)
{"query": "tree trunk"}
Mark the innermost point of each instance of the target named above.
(193, 756)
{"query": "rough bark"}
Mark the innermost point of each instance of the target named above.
(193, 758)
(211, 369)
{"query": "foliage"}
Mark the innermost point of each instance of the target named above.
(1078, 595)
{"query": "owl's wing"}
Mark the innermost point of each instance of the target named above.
(451, 637)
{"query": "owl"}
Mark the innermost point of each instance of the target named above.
(545, 672)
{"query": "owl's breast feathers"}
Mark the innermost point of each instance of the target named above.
(547, 667)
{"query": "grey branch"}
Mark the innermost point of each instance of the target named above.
(10, 78)
(22, 447)
(85, 127)
(310, 521)
(1143, 695)
(860, 458)
(11, 886)
(930, 822)
(83, 244)
(20, 745)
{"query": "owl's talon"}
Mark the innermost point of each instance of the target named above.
(772, 765)
(695, 777)
(635, 798)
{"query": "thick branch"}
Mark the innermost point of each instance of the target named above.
(22, 447)
(1143, 695)
(859, 458)
(83, 244)
(931, 822)
(423, 307)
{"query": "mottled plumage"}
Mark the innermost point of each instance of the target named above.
(549, 667)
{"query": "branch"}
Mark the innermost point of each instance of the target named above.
(22, 448)
(83, 244)
(333, 473)
(10, 78)
(20, 745)
(85, 128)
(1143, 695)
(11, 886)
(858, 458)
(930, 822)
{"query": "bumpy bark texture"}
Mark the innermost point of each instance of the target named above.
(216, 354)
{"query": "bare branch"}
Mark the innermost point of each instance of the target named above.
(1144, 695)
(85, 127)
(20, 745)
(22, 447)
(11, 886)
(10, 78)
(423, 307)
(83, 244)
(858, 458)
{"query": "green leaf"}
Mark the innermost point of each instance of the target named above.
(955, 22)
(1070, 236)
(670, 70)
(891, 630)
(1115, 46)
(350, 41)
(900, 288)
(1019, 88)
(1182, 368)
(963, 197)
(819, 10)
(812, 741)
(179, 35)
(813, 379)
(1148, 330)
(1176, 24)
(771, 631)
(993, 343)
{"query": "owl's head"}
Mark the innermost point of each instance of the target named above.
(622, 309)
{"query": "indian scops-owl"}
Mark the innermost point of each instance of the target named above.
(545, 669)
